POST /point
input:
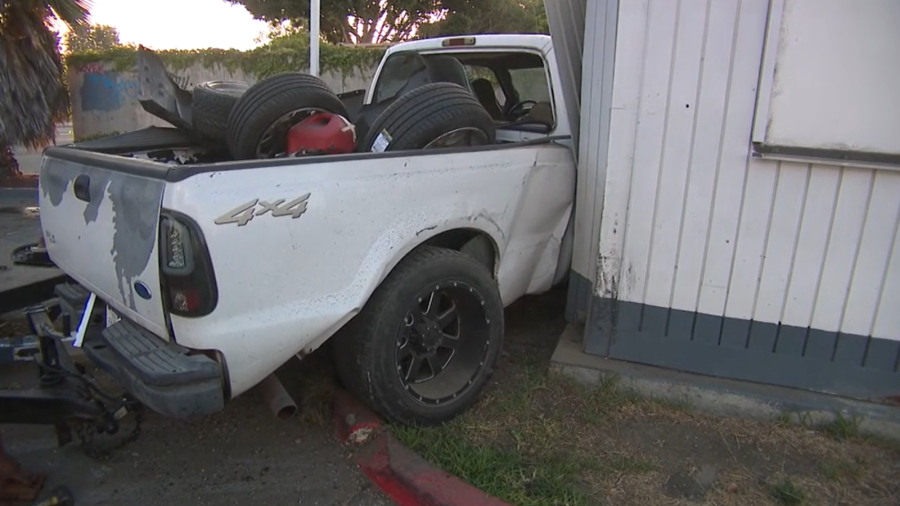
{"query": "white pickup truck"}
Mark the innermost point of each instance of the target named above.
(219, 271)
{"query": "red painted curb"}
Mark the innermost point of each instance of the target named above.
(408, 479)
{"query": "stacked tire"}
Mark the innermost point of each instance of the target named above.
(252, 121)
(272, 100)
(426, 114)
(211, 105)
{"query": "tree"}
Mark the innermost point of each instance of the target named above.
(92, 38)
(34, 98)
(464, 17)
(349, 21)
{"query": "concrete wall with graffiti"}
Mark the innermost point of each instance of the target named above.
(105, 101)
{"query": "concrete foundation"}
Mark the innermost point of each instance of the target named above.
(722, 396)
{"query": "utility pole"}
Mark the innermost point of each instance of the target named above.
(314, 20)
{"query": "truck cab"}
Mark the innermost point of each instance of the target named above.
(509, 74)
(215, 273)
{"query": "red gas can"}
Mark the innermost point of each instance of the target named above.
(321, 133)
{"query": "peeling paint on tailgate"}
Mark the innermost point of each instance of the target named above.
(106, 237)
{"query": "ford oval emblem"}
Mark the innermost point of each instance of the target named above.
(142, 290)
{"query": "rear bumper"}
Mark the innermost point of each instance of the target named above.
(164, 376)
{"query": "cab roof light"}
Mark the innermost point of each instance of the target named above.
(459, 41)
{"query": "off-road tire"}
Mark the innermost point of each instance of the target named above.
(211, 105)
(424, 114)
(364, 350)
(270, 99)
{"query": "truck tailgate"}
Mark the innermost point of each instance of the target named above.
(100, 224)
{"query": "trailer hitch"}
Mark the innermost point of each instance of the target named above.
(66, 397)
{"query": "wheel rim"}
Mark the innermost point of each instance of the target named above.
(461, 137)
(273, 142)
(442, 342)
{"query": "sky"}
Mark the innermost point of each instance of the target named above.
(179, 24)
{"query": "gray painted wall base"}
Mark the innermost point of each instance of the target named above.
(829, 362)
(579, 298)
(722, 396)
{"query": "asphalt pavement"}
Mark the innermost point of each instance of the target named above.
(244, 455)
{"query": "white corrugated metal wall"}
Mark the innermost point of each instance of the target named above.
(691, 221)
(585, 55)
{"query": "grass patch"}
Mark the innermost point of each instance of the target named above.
(787, 492)
(785, 419)
(622, 464)
(841, 470)
(601, 401)
(531, 445)
(843, 428)
(539, 480)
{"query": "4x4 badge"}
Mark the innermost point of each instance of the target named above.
(246, 212)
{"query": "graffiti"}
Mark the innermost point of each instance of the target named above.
(183, 82)
(92, 68)
(107, 91)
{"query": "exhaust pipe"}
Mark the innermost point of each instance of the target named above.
(278, 399)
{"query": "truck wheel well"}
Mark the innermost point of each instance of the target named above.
(474, 243)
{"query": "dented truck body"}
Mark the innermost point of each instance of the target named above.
(218, 273)
(286, 281)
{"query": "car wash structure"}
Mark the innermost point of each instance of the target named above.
(738, 189)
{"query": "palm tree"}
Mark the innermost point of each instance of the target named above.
(33, 98)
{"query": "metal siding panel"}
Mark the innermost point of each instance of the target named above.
(654, 319)
(628, 79)
(887, 319)
(790, 197)
(596, 86)
(874, 253)
(815, 228)
(749, 30)
(790, 341)
(704, 167)
(850, 350)
(676, 153)
(842, 376)
(820, 344)
(588, 157)
(600, 326)
(735, 334)
(577, 298)
(652, 118)
(681, 324)
(882, 354)
(763, 336)
(609, 16)
(567, 22)
(842, 249)
(707, 329)
(758, 201)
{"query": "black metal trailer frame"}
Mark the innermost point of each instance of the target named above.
(65, 397)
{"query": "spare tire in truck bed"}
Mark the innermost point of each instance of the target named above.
(434, 115)
(260, 120)
(211, 104)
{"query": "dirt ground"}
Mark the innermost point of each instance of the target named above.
(539, 439)
(244, 455)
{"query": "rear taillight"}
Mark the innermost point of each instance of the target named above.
(187, 277)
